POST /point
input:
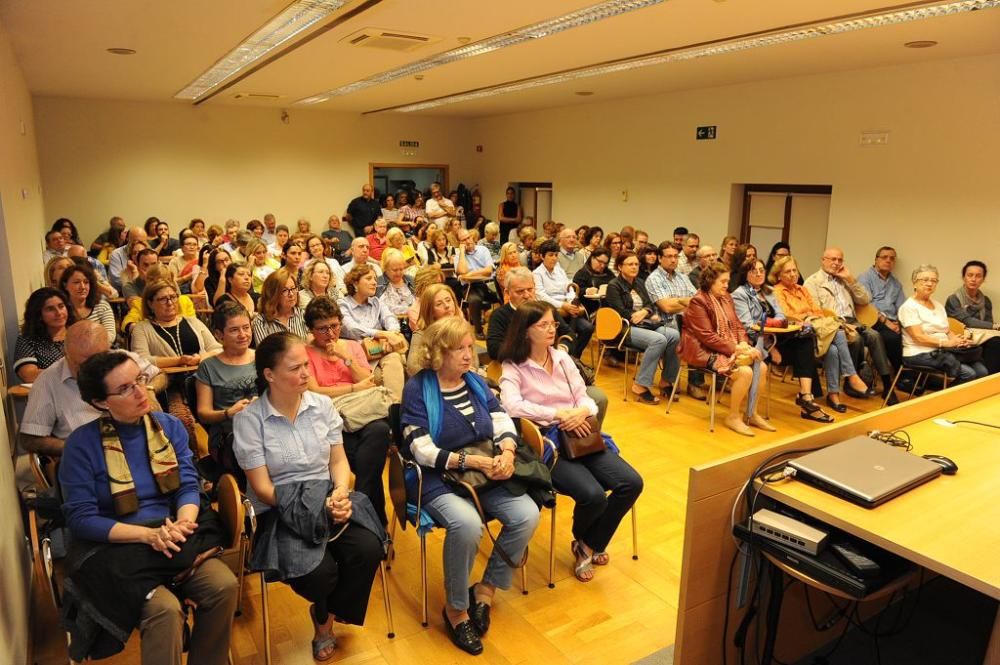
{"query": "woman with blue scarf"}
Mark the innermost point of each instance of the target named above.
(541, 383)
(447, 407)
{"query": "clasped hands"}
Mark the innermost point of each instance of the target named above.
(338, 504)
(574, 420)
(165, 539)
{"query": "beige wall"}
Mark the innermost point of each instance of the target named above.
(175, 161)
(937, 173)
(20, 265)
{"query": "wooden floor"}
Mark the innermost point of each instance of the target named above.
(628, 611)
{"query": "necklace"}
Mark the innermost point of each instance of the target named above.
(545, 363)
(174, 333)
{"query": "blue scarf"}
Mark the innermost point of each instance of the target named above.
(434, 400)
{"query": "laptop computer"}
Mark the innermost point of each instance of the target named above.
(864, 471)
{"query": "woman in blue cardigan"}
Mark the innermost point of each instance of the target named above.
(445, 408)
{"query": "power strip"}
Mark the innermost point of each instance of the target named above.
(788, 531)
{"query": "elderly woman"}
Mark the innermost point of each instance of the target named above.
(447, 407)
(541, 383)
(491, 240)
(648, 331)
(318, 280)
(799, 306)
(47, 314)
(290, 445)
(436, 302)
(395, 288)
(277, 307)
(396, 239)
(927, 340)
(167, 339)
(226, 383)
(131, 501)
(339, 367)
(592, 276)
(715, 339)
(757, 308)
(80, 283)
(975, 310)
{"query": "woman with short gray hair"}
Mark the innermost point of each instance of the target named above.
(927, 339)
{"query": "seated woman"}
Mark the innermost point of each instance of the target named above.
(395, 287)
(437, 302)
(799, 306)
(317, 252)
(239, 288)
(592, 276)
(541, 383)
(168, 339)
(318, 280)
(426, 276)
(55, 268)
(509, 257)
(135, 533)
(627, 295)
(184, 267)
(211, 279)
(339, 367)
(136, 313)
(396, 239)
(757, 308)
(47, 314)
(80, 283)
(289, 443)
(277, 307)
(261, 263)
(714, 338)
(927, 339)
(975, 310)
(445, 408)
(226, 383)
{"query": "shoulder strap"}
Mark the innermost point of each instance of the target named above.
(482, 515)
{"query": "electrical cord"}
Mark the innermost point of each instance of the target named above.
(898, 438)
(974, 422)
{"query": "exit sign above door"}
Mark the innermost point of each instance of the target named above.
(705, 133)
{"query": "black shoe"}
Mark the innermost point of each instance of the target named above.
(463, 635)
(807, 405)
(892, 400)
(839, 408)
(851, 392)
(479, 613)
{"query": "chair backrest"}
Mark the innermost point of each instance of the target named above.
(532, 437)
(43, 468)
(955, 326)
(397, 479)
(191, 395)
(866, 314)
(607, 324)
(494, 370)
(231, 509)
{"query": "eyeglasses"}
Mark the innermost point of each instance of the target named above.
(601, 262)
(327, 330)
(546, 325)
(289, 292)
(165, 300)
(928, 280)
(129, 388)
(757, 271)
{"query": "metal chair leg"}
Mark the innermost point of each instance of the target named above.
(711, 404)
(524, 578)
(240, 575)
(267, 622)
(625, 381)
(552, 547)
(677, 383)
(390, 631)
(892, 387)
(635, 535)
(423, 581)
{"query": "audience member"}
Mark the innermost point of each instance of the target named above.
(426, 276)
(109, 240)
(649, 260)
(570, 259)
(614, 244)
(162, 242)
(360, 255)
(119, 258)
(277, 307)
(478, 271)
(974, 309)
(593, 278)
(508, 258)
(261, 263)
(886, 297)
(318, 280)
(55, 246)
(376, 239)
(185, 266)
(592, 240)
(706, 256)
(134, 278)
(553, 285)
(47, 314)
(136, 312)
(394, 287)
(679, 235)
(436, 302)
(239, 288)
(337, 236)
(80, 284)
(439, 208)
(491, 240)
(277, 246)
(689, 254)
(366, 318)
(269, 237)
(79, 255)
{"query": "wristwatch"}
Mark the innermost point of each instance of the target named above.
(348, 362)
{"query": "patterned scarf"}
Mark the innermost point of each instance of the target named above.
(162, 461)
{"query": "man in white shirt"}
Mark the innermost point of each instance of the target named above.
(118, 259)
(439, 208)
(55, 246)
(359, 255)
(268, 237)
(570, 259)
(477, 273)
(554, 286)
(689, 254)
(54, 406)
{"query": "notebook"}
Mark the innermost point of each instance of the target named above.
(864, 471)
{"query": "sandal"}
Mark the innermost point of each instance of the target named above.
(646, 396)
(322, 644)
(600, 558)
(818, 415)
(584, 563)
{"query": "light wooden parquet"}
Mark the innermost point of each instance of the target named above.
(627, 612)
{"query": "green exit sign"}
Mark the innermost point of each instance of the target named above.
(706, 133)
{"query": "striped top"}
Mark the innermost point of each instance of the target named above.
(459, 398)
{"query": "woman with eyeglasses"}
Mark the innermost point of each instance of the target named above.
(339, 367)
(184, 267)
(131, 501)
(592, 277)
(615, 244)
(278, 307)
(167, 339)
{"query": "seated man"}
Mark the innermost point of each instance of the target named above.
(477, 273)
(520, 287)
(376, 239)
(360, 255)
(553, 285)
(837, 290)
(671, 291)
(55, 246)
(887, 296)
(339, 239)
(570, 259)
(134, 277)
(118, 259)
(689, 252)
(54, 406)
(704, 257)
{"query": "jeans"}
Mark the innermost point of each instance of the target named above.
(597, 515)
(583, 330)
(867, 337)
(464, 529)
(657, 344)
(837, 362)
(941, 359)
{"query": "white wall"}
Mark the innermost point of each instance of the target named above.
(175, 161)
(937, 174)
(23, 226)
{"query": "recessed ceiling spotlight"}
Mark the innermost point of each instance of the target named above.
(121, 51)
(584, 93)
(464, 40)
(922, 43)
(419, 77)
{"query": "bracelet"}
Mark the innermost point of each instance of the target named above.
(461, 460)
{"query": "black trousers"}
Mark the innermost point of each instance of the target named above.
(366, 452)
(991, 355)
(893, 342)
(581, 330)
(479, 293)
(800, 354)
(342, 582)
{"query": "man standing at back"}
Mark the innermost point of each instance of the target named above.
(364, 210)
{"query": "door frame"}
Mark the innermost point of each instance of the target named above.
(789, 191)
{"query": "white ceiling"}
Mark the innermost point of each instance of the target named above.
(61, 48)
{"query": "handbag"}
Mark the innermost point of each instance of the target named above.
(360, 408)
(376, 348)
(572, 446)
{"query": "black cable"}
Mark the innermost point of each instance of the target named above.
(898, 438)
(974, 422)
(725, 616)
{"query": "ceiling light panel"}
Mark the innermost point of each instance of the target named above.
(735, 46)
(298, 16)
(540, 30)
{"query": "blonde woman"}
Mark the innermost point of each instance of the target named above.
(318, 280)
(261, 263)
(509, 258)
(436, 302)
(426, 276)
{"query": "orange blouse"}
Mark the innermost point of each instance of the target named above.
(796, 302)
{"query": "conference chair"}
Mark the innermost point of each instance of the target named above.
(611, 331)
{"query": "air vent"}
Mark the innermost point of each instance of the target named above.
(389, 40)
(255, 95)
